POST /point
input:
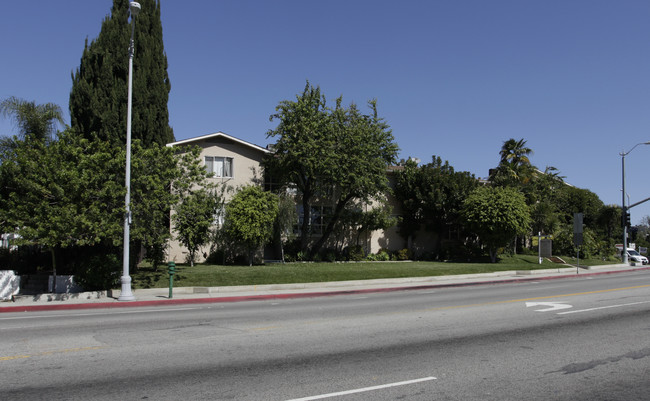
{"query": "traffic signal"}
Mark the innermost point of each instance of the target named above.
(628, 220)
(625, 218)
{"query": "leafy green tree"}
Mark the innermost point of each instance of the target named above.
(542, 197)
(496, 215)
(98, 99)
(61, 195)
(591, 245)
(609, 223)
(643, 233)
(360, 221)
(298, 155)
(407, 193)
(363, 149)
(572, 200)
(286, 219)
(193, 219)
(337, 156)
(443, 192)
(70, 193)
(552, 202)
(250, 217)
(155, 173)
(432, 196)
(36, 123)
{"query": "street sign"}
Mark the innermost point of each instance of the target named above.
(577, 223)
(577, 229)
(537, 238)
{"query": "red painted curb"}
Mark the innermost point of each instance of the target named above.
(131, 304)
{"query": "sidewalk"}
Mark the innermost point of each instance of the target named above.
(195, 295)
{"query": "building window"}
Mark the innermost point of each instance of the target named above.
(319, 216)
(219, 166)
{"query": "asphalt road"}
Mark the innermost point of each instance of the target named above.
(570, 339)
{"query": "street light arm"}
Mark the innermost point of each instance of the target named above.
(630, 151)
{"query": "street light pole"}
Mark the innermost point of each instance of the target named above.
(624, 208)
(624, 211)
(126, 294)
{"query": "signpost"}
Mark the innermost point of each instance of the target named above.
(577, 235)
(537, 241)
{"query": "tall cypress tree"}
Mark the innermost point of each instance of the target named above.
(98, 99)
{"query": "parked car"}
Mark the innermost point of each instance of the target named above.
(634, 256)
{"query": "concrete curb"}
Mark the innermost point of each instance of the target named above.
(299, 290)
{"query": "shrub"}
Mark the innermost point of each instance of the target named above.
(355, 253)
(381, 256)
(98, 272)
(217, 257)
(156, 254)
(328, 255)
(404, 254)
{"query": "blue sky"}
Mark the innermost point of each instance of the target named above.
(452, 78)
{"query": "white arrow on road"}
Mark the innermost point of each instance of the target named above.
(551, 306)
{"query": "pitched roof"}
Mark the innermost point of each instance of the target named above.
(218, 135)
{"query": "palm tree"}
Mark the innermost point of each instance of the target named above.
(514, 164)
(34, 121)
(515, 153)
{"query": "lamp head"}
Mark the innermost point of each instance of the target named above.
(135, 8)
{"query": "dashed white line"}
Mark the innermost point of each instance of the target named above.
(362, 390)
(603, 307)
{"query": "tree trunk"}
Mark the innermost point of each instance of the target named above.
(53, 271)
(306, 218)
(493, 255)
(330, 226)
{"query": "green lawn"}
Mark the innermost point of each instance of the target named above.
(203, 275)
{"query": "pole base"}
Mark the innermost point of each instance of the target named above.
(126, 294)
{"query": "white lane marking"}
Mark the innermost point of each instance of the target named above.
(361, 390)
(551, 306)
(603, 307)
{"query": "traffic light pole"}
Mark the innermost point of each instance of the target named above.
(626, 216)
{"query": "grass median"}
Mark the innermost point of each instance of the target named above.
(204, 275)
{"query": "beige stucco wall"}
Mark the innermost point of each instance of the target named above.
(246, 161)
(246, 171)
(387, 239)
